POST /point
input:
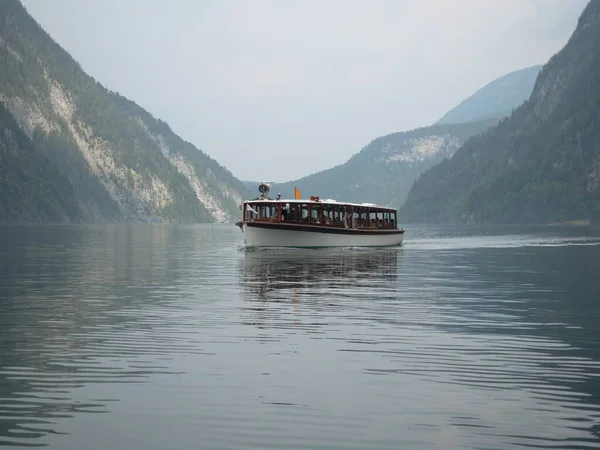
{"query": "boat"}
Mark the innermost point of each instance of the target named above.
(316, 222)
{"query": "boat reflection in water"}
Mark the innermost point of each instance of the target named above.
(305, 288)
(315, 275)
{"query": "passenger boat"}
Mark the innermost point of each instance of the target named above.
(316, 222)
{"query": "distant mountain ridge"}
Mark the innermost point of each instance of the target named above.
(496, 99)
(383, 171)
(542, 164)
(121, 162)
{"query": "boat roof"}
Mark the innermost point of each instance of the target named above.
(323, 201)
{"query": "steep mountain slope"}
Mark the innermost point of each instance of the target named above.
(496, 99)
(32, 189)
(540, 165)
(383, 171)
(123, 163)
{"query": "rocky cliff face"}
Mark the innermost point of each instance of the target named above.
(420, 149)
(123, 163)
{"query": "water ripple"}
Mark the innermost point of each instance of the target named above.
(462, 338)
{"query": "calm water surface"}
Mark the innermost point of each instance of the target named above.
(164, 336)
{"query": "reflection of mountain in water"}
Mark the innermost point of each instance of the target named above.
(267, 274)
(74, 298)
(541, 299)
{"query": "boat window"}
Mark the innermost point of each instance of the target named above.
(355, 219)
(327, 214)
(344, 216)
(251, 212)
(379, 219)
(315, 214)
(304, 213)
(372, 219)
(363, 217)
(285, 212)
(275, 214)
(293, 214)
(264, 213)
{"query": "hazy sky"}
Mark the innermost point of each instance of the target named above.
(277, 89)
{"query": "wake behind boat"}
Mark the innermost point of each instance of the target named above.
(268, 222)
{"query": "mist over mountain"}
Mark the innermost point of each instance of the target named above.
(496, 99)
(385, 169)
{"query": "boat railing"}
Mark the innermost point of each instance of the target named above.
(344, 222)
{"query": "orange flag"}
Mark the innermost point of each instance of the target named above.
(296, 193)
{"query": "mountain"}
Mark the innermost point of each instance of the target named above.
(496, 99)
(383, 171)
(122, 163)
(542, 164)
(32, 189)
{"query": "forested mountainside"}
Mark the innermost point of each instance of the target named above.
(496, 99)
(33, 190)
(120, 161)
(540, 165)
(383, 171)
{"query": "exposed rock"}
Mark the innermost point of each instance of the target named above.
(421, 149)
(122, 162)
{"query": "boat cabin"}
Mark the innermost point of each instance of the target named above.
(316, 223)
(326, 213)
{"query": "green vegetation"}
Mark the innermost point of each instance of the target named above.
(40, 79)
(541, 165)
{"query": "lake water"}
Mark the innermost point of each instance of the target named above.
(174, 337)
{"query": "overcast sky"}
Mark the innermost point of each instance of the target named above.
(278, 89)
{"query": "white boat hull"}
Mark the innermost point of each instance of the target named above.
(276, 237)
